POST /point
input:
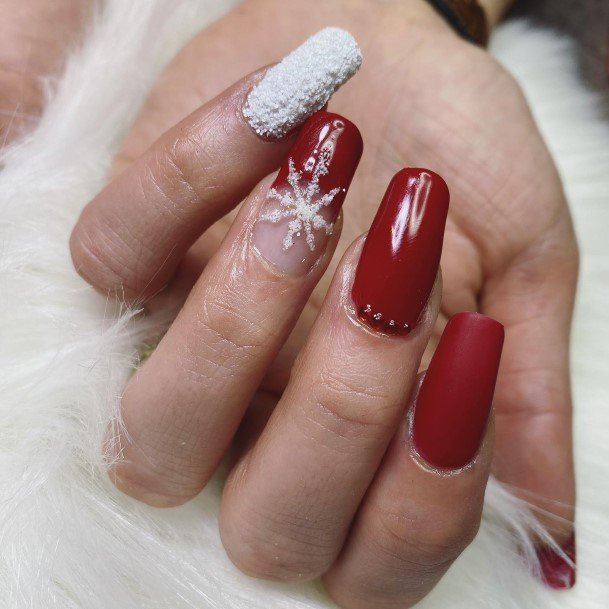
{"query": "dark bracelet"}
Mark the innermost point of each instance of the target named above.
(466, 17)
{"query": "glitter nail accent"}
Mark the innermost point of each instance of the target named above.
(302, 203)
(376, 321)
(302, 83)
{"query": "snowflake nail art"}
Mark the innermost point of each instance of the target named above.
(302, 203)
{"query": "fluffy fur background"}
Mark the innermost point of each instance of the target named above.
(68, 540)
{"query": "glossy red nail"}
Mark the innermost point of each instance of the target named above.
(401, 255)
(455, 398)
(305, 198)
(557, 572)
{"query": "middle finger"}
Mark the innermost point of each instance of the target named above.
(289, 504)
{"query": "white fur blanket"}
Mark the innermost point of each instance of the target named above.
(68, 540)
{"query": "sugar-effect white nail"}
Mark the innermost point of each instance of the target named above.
(302, 83)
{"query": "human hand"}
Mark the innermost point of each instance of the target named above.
(324, 479)
(430, 99)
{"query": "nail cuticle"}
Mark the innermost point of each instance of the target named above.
(351, 311)
(276, 271)
(445, 472)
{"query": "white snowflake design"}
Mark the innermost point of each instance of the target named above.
(303, 204)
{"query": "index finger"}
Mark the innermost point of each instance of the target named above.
(132, 236)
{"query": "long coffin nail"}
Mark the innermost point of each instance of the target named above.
(557, 570)
(305, 198)
(455, 398)
(302, 83)
(401, 255)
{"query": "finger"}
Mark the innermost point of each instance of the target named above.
(533, 298)
(131, 237)
(425, 504)
(182, 408)
(288, 505)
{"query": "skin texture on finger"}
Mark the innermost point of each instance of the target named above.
(288, 504)
(181, 410)
(35, 36)
(414, 522)
(131, 237)
(425, 504)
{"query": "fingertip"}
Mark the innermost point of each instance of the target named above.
(124, 480)
(558, 566)
(453, 404)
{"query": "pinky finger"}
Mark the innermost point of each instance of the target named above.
(425, 504)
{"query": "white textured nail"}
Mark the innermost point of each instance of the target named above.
(302, 83)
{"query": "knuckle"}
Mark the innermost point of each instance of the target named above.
(554, 255)
(231, 316)
(272, 545)
(570, 261)
(229, 330)
(430, 545)
(193, 165)
(349, 406)
(540, 396)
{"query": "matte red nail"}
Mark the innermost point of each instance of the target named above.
(401, 255)
(557, 572)
(455, 398)
(308, 192)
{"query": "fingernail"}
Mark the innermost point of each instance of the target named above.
(455, 398)
(400, 258)
(304, 200)
(302, 83)
(558, 570)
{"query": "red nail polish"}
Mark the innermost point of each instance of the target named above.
(308, 192)
(455, 398)
(557, 572)
(401, 255)
(335, 140)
